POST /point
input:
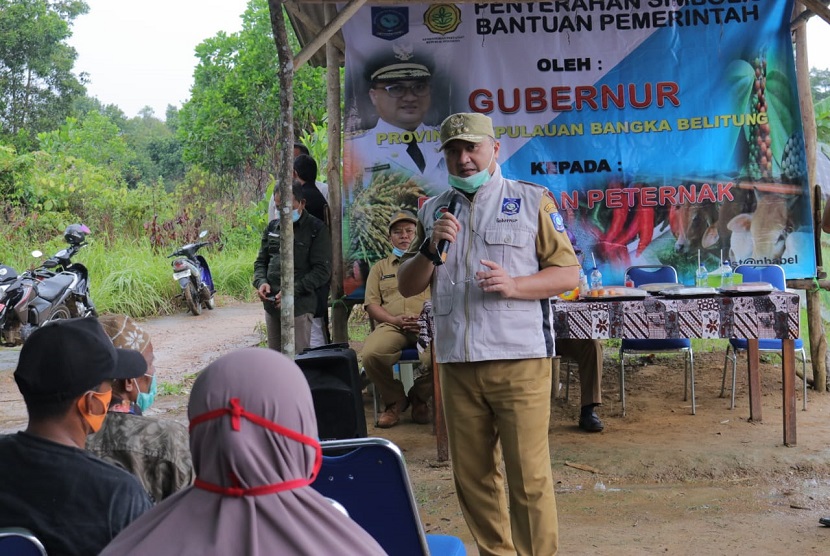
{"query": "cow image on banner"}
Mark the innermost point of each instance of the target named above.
(661, 130)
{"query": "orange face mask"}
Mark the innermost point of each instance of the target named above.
(95, 421)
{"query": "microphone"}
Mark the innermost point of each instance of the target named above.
(455, 210)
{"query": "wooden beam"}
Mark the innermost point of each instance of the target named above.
(814, 7)
(808, 284)
(327, 32)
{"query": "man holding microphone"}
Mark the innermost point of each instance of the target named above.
(508, 255)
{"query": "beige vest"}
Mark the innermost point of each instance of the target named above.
(500, 224)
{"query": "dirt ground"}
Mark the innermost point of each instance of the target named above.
(657, 481)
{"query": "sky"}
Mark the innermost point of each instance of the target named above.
(142, 54)
(818, 43)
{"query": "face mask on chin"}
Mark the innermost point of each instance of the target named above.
(471, 184)
(295, 215)
(94, 421)
(145, 399)
(398, 252)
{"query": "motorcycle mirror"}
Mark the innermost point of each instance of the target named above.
(37, 254)
(202, 234)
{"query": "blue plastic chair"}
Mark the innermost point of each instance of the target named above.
(654, 274)
(368, 477)
(20, 542)
(773, 274)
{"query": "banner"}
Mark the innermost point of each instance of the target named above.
(665, 128)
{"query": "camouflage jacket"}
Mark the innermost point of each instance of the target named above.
(155, 451)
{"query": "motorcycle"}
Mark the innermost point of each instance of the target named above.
(58, 289)
(8, 278)
(192, 273)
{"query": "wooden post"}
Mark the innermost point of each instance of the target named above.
(754, 381)
(788, 390)
(815, 325)
(556, 371)
(285, 165)
(339, 312)
(439, 424)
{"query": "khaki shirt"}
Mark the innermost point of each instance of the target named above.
(382, 289)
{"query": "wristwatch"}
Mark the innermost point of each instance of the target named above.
(424, 250)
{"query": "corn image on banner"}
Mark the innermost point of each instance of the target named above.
(665, 128)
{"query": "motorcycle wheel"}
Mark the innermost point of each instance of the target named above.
(191, 296)
(60, 312)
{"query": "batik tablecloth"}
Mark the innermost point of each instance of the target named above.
(656, 317)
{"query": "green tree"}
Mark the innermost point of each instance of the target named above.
(82, 106)
(96, 140)
(229, 125)
(820, 84)
(37, 85)
(158, 151)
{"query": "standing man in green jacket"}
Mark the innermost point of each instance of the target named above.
(312, 269)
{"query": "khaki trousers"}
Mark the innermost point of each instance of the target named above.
(496, 408)
(381, 350)
(588, 357)
(302, 332)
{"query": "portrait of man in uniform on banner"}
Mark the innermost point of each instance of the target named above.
(394, 103)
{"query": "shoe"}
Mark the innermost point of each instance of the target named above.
(391, 416)
(589, 421)
(824, 521)
(420, 412)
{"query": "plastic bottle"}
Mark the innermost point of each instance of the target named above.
(583, 283)
(596, 279)
(629, 283)
(726, 274)
(701, 276)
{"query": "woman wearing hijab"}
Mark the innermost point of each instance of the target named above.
(253, 440)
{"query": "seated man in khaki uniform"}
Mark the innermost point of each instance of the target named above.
(588, 357)
(397, 328)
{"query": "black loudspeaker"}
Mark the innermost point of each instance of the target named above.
(334, 379)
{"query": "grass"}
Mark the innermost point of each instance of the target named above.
(129, 277)
(263, 334)
(177, 389)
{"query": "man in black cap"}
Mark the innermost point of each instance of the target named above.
(400, 89)
(72, 501)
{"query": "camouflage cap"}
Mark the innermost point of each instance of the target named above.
(467, 126)
(402, 216)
